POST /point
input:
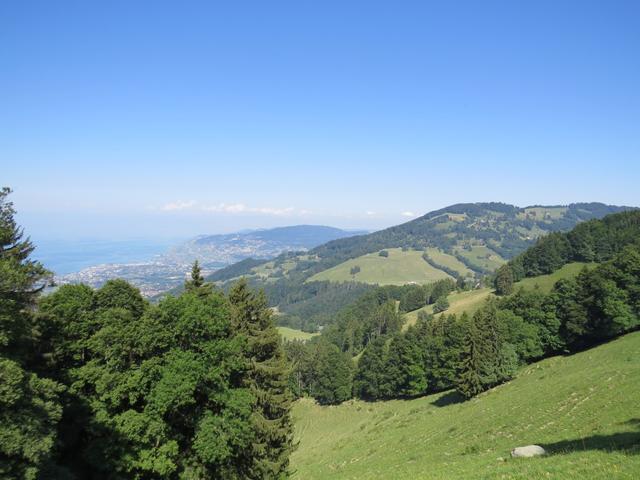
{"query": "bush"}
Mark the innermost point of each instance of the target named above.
(441, 305)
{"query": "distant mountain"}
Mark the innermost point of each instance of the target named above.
(214, 250)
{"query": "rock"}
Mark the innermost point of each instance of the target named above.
(528, 451)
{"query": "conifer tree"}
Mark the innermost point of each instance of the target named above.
(405, 366)
(442, 340)
(371, 381)
(331, 375)
(469, 377)
(504, 280)
(30, 406)
(487, 359)
(267, 378)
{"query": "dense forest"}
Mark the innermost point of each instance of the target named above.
(101, 384)
(475, 353)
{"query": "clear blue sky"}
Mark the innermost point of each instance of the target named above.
(158, 118)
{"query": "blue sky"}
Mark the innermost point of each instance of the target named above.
(134, 119)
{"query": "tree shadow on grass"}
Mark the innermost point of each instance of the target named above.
(628, 442)
(450, 398)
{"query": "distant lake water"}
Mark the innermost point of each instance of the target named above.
(68, 256)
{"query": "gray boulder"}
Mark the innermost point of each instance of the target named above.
(528, 451)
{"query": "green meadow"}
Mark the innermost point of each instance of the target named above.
(399, 268)
(293, 334)
(482, 257)
(545, 282)
(583, 409)
(449, 261)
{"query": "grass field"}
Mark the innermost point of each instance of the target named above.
(482, 257)
(459, 302)
(546, 282)
(583, 409)
(398, 268)
(448, 261)
(293, 334)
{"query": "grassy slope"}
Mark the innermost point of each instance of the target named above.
(482, 257)
(472, 300)
(545, 282)
(293, 334)
(459, 302)
(449, 261)
(583, 409)
(397, 269)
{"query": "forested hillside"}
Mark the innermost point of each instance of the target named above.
(463, 241)
(475, 350)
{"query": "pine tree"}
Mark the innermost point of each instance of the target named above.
(442, 341)
(504, 280)
(370, 381)
(469, 378)
(196, 280)
(487, 359)
(331, 375)
(267, 379)
(405, 366)
(30, 406)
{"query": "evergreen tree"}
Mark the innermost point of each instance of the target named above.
(30, 406)
(442, 343)
(405, 366)
(196, 282)
(470, 381)
(371, 381)
(297, 353)
(268, 381)
(571, 311)
(413, 298)
(21, 280)
(503, 282)
(487, 359)
(331, 378)
(387, 319)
